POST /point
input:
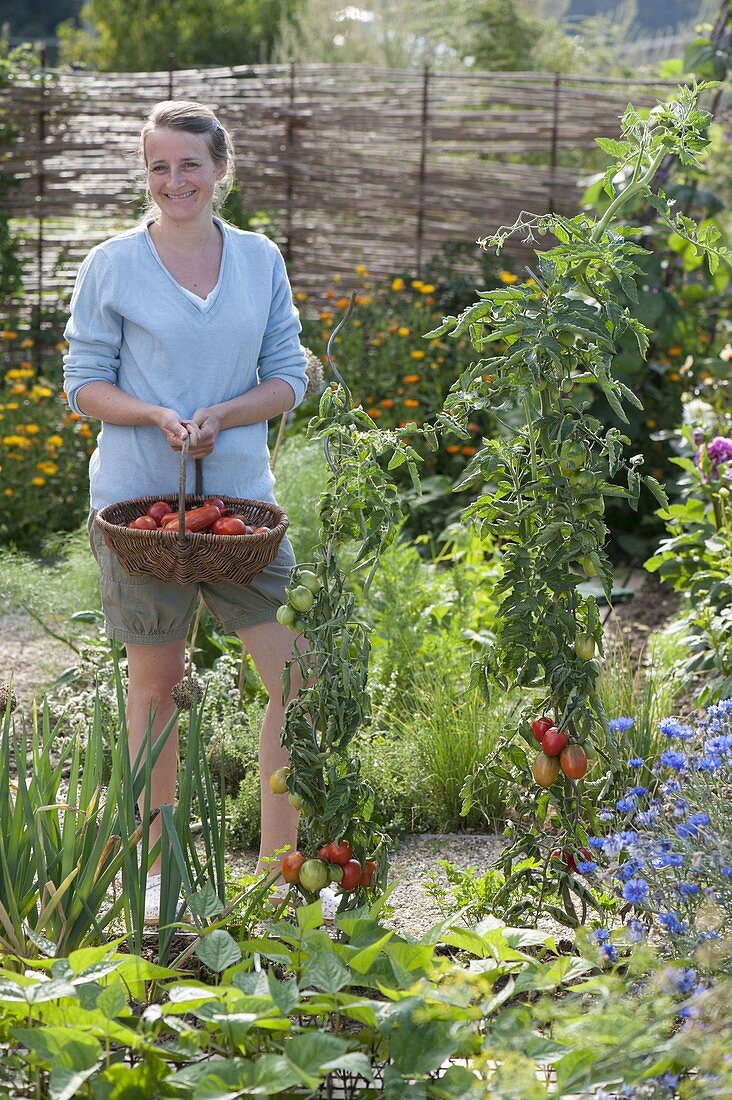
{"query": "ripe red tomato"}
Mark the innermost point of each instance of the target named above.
(158, 510)
(229, 525)
(351, 874)
(324, 852)
(217, 503)
(291, 865)
(545, 769)
(261, 530)
(539, 726)
(144, 523)
(553, 741)
(369, 869)
(573, 760)
(564, 857)
(340, 852)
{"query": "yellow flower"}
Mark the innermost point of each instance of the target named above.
(32, 429)
(47, 468)
(41, 391)
(397, 284)
(15, 441)
(38, 481)
(507, 277)
(417, 353)
(361, 270)
(363, 299)
(426, 288)
(403, 331)
(12, 405)
(27, 343)
(54, 441)
(62, 346)
(9, 492)
(85, 431)
(650, 423)
(18, 387)
(19, 372)
(337, 278)
(417, 283)
(8, 334)
(301, 296)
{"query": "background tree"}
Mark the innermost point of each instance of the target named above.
(139, 35)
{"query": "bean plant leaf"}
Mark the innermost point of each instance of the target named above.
(218, 950)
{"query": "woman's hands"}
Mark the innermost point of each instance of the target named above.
(202, 429)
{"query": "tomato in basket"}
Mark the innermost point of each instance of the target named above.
(158, 510)
(231, 525)
(145, 523)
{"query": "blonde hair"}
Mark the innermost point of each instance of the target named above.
(194, 118)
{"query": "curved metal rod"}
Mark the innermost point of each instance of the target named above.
(333, 335)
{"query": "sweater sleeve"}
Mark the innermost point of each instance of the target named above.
(281, 355)
(94, 329)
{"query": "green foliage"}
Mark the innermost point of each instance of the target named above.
(696, 558)
(301, 471)
(119, 36)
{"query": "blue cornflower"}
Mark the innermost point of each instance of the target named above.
(699, 819)
(687, 889)
(620, 725)
(627, 837)
(727, 872)
(586, 866)
(638, 791)
(718, 710)
(667, 859)
(601, 935)
(709, 763)
(635, 930)
(686, 831)
(596, 841)
(717, 746)
(635, 891)
(680, 807)
(636, 762)
(672, 727)
(671, 922)
(605, 815)
(630, 868)
(670, 786)
(678, 979)
(713, 935)
(609, 952)
(612, 845)
(646, 818)
(673, 759)
(625, 805)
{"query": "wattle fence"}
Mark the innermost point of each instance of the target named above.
(356, 165)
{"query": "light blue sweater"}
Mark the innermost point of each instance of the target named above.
(133, 325)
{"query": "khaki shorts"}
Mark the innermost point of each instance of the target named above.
(144, 611)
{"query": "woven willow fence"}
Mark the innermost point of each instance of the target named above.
(357, 165)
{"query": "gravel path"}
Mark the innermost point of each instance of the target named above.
(29, 655)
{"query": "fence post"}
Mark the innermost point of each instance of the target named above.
(289, 189)
(555, 140)
(422, 167)
(40, 197)
(171, 64)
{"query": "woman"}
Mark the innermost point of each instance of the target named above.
(184, 327)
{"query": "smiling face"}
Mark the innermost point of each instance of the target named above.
(181, 174)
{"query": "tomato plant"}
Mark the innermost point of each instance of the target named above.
(359, 508)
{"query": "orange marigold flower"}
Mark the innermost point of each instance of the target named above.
(9, 334)
(330, 294)
(430, 301)
(363, 299)
(400, 391)
(674, 350)
(38, 481)
(411, 403)
(386, 402)
(85, 431)
(375, 413)
(674, 376)
(9, 492)
(410, 379)
(468, 450)
(18, 387)
(650, 423)
(453, 449)
(48, 468)
(343, 303)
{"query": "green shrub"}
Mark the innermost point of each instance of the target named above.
(301, 474)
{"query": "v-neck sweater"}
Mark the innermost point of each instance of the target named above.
(132, 324)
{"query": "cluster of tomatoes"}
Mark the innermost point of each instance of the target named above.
(300, 598)
(557, 753)
(213, 515)
(334, 864)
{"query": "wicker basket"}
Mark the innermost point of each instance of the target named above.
(183, 557)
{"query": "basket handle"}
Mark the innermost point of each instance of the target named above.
(182, 487)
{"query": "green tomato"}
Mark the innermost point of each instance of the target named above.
(296, 801)
(588, 565)
(584, 647)
(565, 337)
(310, 580)
(335, 872)
(314, 875)
(299, 626)
(286, 615)
(301, 598)
(572, 457)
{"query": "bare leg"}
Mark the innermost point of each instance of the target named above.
(153, 672)
(270, 645)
